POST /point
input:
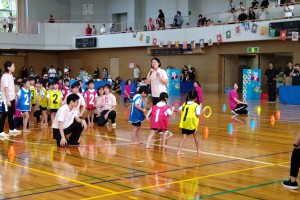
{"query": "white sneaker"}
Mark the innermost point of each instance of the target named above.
(15, 131)
(114, 125)
(4, 134)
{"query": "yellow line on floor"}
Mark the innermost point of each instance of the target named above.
(185, 180)
(58, 176)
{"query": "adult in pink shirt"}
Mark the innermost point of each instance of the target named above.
(158, 79)
(237, 107)
(8, 99)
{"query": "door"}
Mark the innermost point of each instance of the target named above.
(114, 67)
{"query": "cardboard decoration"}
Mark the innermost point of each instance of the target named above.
(148, 39)
(210, 42)
(228, 34)
(295, 36)
(184, 45)
(154, 41)
(134, 34)
(161, 44)
(254, 28)
(219, 38)
(169, 44)
(201, 41)
(282, 35)
(193, 44)
(263, 30)
(141, 37)
(238, 30)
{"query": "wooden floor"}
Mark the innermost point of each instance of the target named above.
(249, 163)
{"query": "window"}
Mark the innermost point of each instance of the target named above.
(7, 6)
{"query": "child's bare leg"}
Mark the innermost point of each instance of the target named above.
(92, 117)
(152, 132)
(183, 138)
(25, 121)
(196, 138)
(164, 139)
(52, 117)
(138, 135)
(45, 117)
(133, 135)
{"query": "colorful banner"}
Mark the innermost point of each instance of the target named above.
(254, 28)
(141, 37)
(174, 82)
(201, 41)
(272, 32)
(193, 44)
(219, 38)
(154, 41)
(134, 34)
(148, 39)
(177, 44)
(263, 30)
(161, 44)
(238, 30)
(184, 45)
(169, 44)
(210, 42)
(246, 26)
(251, 84)
(282, 35)
(228, 34)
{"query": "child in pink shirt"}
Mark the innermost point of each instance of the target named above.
(199, 91)
(127, 91)
(237, 107)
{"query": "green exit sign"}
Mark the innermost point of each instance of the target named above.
(253, 50)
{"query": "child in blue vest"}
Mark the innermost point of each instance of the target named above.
(137, 114)
(24, 96)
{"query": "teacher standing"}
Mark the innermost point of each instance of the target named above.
(158, 79)
(8, 99)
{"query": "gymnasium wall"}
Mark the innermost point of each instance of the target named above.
(209, 67)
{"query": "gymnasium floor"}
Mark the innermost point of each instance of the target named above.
(248, 163)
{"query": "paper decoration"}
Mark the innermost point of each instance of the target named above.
(141, 37)
(238, 30)
(201, 41)
(154, 41)
(246, 26)
(219, 38)
(228, 34)
(254, 28)
(193, 44)
(263, 30)
(282, 35)
(148, 39)
(295, 36)
(134, 34)
(210, 42)
(272, 32)
(161, 44)
(184, 45)
(169, 44)
(177, 44)
(131, 65)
